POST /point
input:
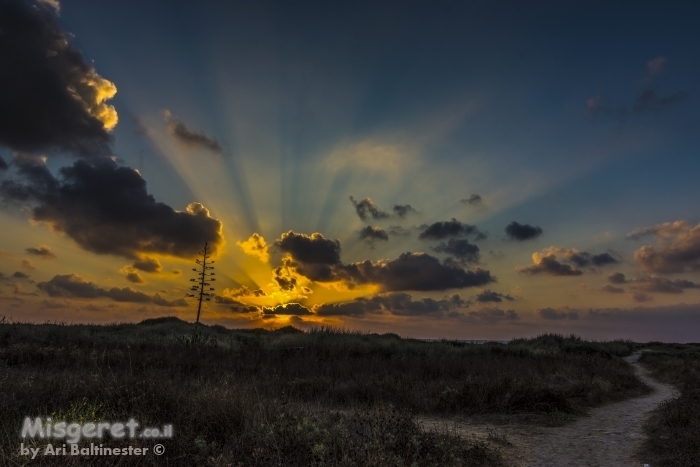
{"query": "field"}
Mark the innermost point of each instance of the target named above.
(322, 398)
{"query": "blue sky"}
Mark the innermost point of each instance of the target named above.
(579, 119)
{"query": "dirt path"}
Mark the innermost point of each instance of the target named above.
(608, 438)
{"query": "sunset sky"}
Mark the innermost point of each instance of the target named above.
(457, 169)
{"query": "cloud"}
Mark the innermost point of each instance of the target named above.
(678, 248)
(3, 165)
(446, 229)
(310, 249)
(612, 289)
(410, 271)
(20, 275)
(667, 230)
(460, 249)
(106, 209)
(243, 291)
(654, 283)
(42, 251)
(545, 262)
(132, 275)
(286, 275)
(147, 264)
(474, 200)
(373, 234)
(255, 246)
(243, 308)
(398, 231)
(522, 232)
(403, 210)
(27, 264)
(397, 303)
(366, 209)
(160, 301)
(294, 309)
(74, 286)
(657, 284)
(552, 314)
(649, 101)
(235, 305)
(52, 98)
(494, 315)
(486, 296)
(617, 278)
(189, 137)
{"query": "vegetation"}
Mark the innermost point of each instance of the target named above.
(286, 397)
(673, 430)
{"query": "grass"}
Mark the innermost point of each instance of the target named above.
(673, 430)
(285, 397)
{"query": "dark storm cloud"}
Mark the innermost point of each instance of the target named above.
(74, 286)
(402, 210)
(398, 303)
(147, 264)
(650, 102)
(3, 164)
(292, 309)
(189, 137)
(612, 289)
(411, 271)
(678, 248)
(310, 249)
(460, 249)
(366, 209)
(552, 314)
(372, 234)
(106, 209)
(522, 232)
(474, 200)
(51, 97)
(486, 296)
(42, 251)
(446, 229)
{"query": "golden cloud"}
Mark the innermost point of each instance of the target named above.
(255, 246)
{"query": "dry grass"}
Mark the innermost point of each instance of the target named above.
(673, 430)
(323, 398)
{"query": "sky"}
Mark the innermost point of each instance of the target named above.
(460, 170)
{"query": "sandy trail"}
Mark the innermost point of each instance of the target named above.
(608, 438)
